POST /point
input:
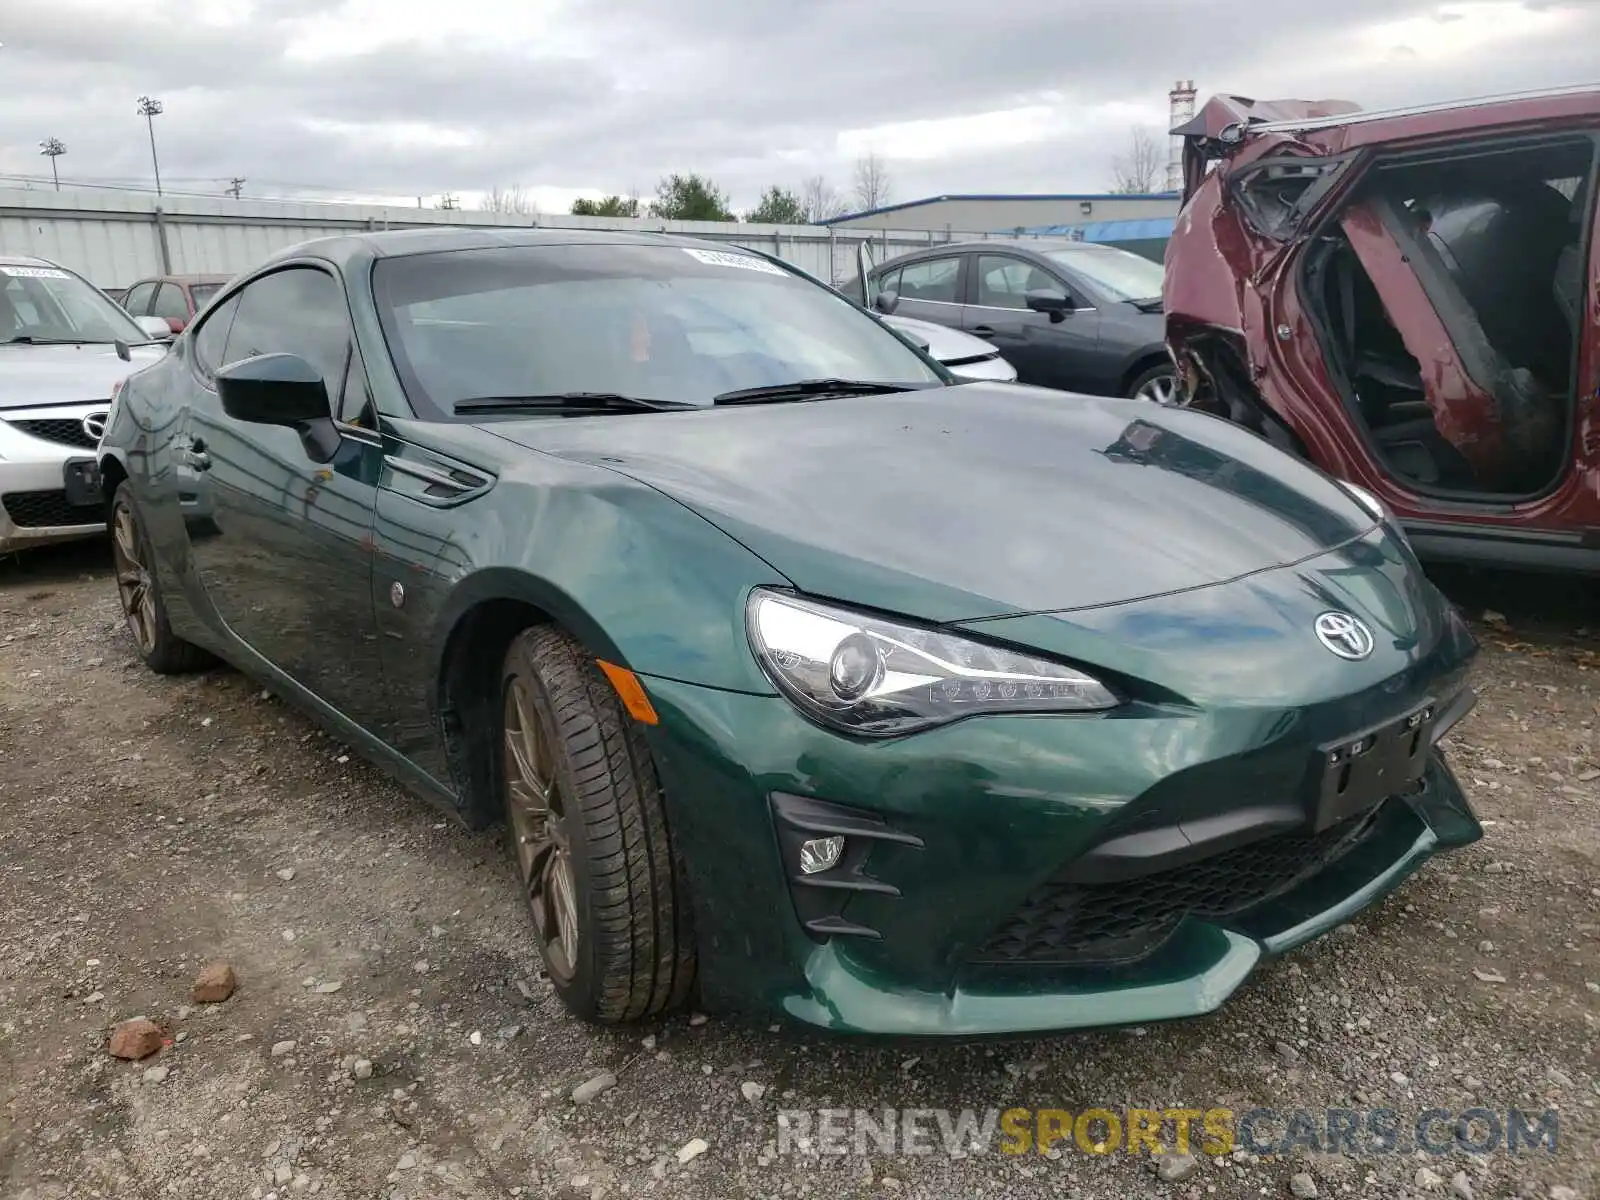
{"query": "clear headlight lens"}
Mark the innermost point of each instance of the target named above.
(863, 674)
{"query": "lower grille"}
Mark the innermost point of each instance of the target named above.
(1073, 923)
(64, 430)
(38, 510)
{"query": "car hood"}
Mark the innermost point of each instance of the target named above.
(35, 376)
(977, 499)
(945, 344)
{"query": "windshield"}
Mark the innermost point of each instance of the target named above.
(201, 293)
(47, 304)
(669, 323)
(1118, 273)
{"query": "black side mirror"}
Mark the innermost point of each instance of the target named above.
(886, 302)
(281, 389)
(1048, 300)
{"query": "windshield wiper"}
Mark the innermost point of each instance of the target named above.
(802, 389)
(597, 401)
(28, 339)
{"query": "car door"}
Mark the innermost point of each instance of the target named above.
(929, 289)
(171, 305)
(285, 558)
(137, 301)
(1051, 349)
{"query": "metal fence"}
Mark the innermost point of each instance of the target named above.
(114, 238)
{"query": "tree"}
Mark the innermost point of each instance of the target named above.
(513, 200)
(690, 198)
(609, 206)
(872, 181)
(819, 201)
(1139, 170)
(779, 206)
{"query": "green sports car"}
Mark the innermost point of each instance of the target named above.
(805, 678)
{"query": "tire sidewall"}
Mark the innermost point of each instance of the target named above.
(582, 993)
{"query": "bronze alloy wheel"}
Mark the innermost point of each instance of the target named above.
(134, 585)
(538, 815)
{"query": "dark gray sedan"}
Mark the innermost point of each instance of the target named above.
(1072, 315)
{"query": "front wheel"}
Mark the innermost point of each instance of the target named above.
(589, 827)
(1159, 385)
(163, 651)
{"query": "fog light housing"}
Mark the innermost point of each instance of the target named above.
(820, 854)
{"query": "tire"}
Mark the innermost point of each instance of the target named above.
(163, 651)
(595, 858)
(1149, 380)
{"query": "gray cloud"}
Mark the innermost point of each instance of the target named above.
(748, 91)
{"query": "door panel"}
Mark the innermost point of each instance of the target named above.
(1051, 350)
(286, 560)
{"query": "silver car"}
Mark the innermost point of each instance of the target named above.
(63, 348)
(967, 357)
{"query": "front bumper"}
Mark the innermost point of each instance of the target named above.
(36, 506)
(984, 814)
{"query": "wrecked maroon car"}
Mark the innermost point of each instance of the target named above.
(1408, 299)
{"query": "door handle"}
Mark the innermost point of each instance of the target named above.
(983, 331)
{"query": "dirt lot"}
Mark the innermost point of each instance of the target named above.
(392, 1035)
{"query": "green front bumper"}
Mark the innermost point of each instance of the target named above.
(998, 805)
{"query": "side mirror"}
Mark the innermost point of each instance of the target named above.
(1048, 300)
(281, 389)
(886, 302)
(154, 328)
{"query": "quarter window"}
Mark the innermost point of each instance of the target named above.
(931, 280)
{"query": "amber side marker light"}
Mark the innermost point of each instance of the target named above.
(631, 692)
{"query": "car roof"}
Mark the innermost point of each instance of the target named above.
(26, 260)
(402, 243)
(1025, 245)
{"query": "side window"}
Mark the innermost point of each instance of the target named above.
(299, 310)
(1004, 282)
(137, 301)
(931, 280)
(211, 338)
(889, 281)
(170, 304)
(355, 406)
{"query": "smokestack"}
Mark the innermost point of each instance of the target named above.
(1181, 100)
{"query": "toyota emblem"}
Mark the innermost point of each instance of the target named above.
(94, 426)
(1346, 636)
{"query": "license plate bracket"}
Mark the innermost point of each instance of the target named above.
(1366, 768)
(80, 479)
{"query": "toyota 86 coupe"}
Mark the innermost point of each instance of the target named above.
(806, 678)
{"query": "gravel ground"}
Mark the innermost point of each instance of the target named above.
(392, 1035)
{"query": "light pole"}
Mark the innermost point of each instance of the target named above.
(151, 109)
(53, 148)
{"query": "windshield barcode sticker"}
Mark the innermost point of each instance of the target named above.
(34, 272)
(721, 258)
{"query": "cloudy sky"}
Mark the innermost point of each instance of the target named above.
(399, 98)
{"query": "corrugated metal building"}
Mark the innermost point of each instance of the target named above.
(1008, 214)
(114, 238)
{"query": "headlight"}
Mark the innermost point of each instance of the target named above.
(866, 675)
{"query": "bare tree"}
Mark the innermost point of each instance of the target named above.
(514, 200)
(819, 201)
(1140, 169)
(872, 181)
